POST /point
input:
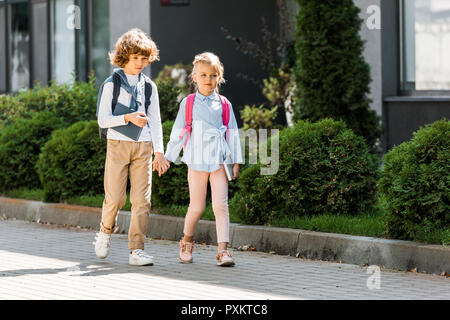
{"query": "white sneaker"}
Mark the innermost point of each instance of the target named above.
(101, 243)
(140, 258)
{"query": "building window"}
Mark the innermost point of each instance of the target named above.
(100, 40)
(19, 45)
(63, 41)
(425, 26)
(3, 61)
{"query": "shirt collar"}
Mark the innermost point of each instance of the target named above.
(212, 97)
(124, 76)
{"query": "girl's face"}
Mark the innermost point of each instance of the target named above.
(206, 77)
(136, 64)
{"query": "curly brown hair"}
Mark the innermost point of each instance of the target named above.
(135, 41)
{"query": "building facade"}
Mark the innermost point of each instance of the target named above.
(407, 47)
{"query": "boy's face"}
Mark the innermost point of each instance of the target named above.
(206, 77)
(136, 64)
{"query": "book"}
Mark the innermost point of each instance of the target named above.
(228, 166)
(130, 130)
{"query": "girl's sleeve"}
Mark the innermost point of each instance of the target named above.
(154, 117)
(234, 141)
(176, 144)
(105, 118)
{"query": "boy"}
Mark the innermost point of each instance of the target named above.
(134, 51)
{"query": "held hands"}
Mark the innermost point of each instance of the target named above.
(138, 118)
(160, 163)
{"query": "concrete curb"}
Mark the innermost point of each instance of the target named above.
(392, 254)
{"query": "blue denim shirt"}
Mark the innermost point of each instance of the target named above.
(207, 147)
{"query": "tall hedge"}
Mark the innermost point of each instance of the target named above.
(20, 145)
(415, 180)
(72, 162)
(324, 168)
(70, 102)
(332, 77)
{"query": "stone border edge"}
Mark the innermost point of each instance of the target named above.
(365, 251)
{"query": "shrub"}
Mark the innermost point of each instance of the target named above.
(72, 162)
(70, 102)
(258, 117)
(177, 75)
(172, 187)
(332, 77)
(415, 181)
(324, 168)
(20, 144)
(170, 96)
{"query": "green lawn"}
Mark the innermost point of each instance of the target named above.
(371, 225)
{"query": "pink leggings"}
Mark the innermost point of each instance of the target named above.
(198, 183)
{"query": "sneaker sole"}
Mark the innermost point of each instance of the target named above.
(185, 262)
(225, 264)
(132, 263)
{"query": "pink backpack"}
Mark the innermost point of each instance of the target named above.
(190, 106)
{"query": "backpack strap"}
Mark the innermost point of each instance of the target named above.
(116, 90)
(148, 94)
(188, 128)
(190, 106)
(225, 114)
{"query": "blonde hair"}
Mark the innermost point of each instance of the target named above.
(212, 60)
(135, 41)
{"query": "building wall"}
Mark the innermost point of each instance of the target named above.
(372, 51)
(125, 15)
(181, 32)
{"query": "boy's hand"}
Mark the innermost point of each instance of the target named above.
(160, 163)
(138, 118)
(235, 171)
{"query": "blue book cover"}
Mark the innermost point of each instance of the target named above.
(130, 130)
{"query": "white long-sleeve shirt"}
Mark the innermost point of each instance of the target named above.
(152, 131)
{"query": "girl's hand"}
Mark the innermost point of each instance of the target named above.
(235, 171)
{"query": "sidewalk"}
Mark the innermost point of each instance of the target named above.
(391, 254)
(39, 261)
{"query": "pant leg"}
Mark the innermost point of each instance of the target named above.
(198, 183)
(219, 195)
(140, 193)
(115, 183)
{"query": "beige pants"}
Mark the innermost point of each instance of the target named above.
(198, 183)
(135, 158)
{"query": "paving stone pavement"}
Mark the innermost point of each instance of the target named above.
(49, 262)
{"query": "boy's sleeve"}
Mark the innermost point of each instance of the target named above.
(176, 144)
(154, 116)
(105, 118)
(234, 141)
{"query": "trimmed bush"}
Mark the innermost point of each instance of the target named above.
(324, 168)
(70, 102)
(72, 162)
(170, 96)
(333, 79)
(172, 187)
(415, 181)
(20, 145)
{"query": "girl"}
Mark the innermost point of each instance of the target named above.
(208, 133)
